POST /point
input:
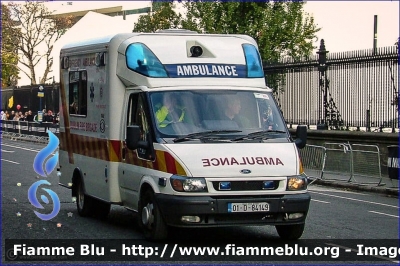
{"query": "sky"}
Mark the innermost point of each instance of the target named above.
(349, 25)
(345, 25)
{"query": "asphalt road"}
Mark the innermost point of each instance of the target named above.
(334, 215)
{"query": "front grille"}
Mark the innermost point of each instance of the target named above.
(245, 185)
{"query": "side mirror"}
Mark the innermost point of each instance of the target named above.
(301, 136)
(133, 138)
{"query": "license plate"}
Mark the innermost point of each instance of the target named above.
(248, 207)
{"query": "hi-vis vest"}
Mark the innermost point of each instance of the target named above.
(164, 118)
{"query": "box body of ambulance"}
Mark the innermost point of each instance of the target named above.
(221, 156)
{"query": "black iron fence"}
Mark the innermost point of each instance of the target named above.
(27, 98)
(350, 90)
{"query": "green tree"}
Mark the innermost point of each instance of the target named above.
(9, 55)
(36, 34)
(281, 29)
(162, 17)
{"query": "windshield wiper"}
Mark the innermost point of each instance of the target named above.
(199, 135)
(259, 134)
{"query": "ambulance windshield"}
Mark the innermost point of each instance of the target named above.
(233, 113)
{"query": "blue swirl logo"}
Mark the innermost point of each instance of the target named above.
(32, 198)
(49, 166)
(44, 153)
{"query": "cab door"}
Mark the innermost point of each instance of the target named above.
(135, 163)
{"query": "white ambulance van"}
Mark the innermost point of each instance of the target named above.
(181, 128)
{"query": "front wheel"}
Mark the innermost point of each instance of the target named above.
(150, 218)
(84, 203)
(291, 231)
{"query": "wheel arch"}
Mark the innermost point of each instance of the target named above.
(148, 182)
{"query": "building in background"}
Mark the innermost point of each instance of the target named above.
(95, 19)
(110, 8)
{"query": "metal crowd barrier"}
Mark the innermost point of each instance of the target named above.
(24, 130)
(343, 162)
(313, 159)
(367, 163)
(339, 162)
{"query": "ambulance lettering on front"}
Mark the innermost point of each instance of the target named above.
(206, 70)
(207, 162)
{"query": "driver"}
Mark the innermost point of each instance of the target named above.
(170, 112)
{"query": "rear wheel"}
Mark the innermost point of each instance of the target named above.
(290, 231)
(84, 203)
(150, 218)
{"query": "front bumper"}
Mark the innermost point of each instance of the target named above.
(213, 211)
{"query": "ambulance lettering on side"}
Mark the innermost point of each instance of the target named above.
(193, 70)
(179, 127)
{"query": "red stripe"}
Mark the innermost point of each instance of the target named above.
(103, 150)
(155, 163)
(79, 142)
(116, 144)
(91, 147)
(170, 161)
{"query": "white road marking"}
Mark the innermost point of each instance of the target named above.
(10, 161)
(18, 147)
(365, 201)
(395, 216)
(321, 201)
(6, 151)
(313, 188)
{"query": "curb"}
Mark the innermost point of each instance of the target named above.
(358, 187)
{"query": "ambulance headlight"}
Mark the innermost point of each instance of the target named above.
(187, 184)
(298, 182)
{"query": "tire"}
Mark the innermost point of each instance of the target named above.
(291, 231)
(84, 203)
(150, 219)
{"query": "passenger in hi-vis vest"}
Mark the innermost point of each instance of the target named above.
(170, 112)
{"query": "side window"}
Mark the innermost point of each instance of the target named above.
(78, 93)
(137, 116)
(142, 120)
(132, 105)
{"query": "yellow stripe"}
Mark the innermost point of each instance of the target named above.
(179, 169)
(162, 166)
(112, 153)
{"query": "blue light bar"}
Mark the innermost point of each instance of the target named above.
(253, 61)
(141, 59)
